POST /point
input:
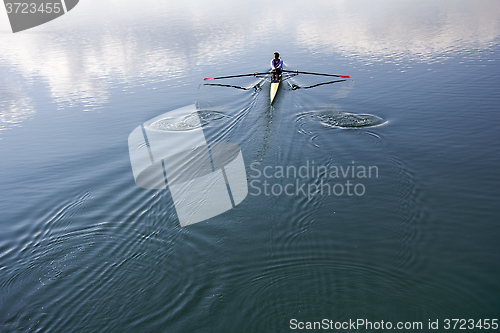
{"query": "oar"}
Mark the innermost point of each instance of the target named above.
(298, 72)
(230, 76)
(225, 85)
(320, 84)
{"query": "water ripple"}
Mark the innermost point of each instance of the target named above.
(195, 120)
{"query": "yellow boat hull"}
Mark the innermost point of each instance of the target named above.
(274, 90)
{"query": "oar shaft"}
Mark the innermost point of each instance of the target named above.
(322, 83)
(231, 76)
(322, 74)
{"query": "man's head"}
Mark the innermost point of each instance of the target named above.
(276, 55)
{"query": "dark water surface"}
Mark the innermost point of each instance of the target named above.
(84, 249)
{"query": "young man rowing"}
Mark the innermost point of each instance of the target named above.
(276, 66)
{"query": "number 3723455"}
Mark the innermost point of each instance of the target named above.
(464, 324)
(32, 8)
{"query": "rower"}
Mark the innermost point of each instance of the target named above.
(276, 66)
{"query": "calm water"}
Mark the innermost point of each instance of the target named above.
(84, 249)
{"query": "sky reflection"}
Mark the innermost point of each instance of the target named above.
(84, 54)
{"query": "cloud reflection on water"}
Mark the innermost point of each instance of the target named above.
(100, 45)
(417, 30)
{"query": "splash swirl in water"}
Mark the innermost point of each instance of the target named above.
(349, 120)
(194, 120)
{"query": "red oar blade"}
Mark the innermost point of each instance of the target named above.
(345, 76)
(208, 78)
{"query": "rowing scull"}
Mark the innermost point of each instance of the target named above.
(274, 88)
